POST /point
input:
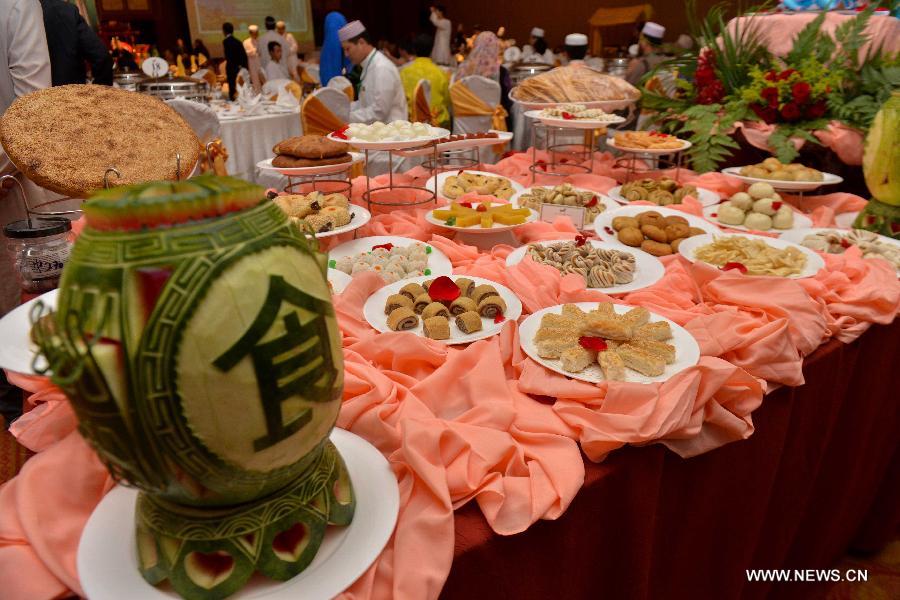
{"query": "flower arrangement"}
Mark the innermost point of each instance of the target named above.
(733, 77)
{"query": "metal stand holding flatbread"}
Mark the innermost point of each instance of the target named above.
(67, 138)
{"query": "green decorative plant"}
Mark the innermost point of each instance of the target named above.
(732, 77)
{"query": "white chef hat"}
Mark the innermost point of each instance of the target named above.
(576, 39)
(351, 30)
(537, 32)
(253, 28)
(653, 32)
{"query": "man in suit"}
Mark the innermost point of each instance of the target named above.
(235, 58)
(72, 43)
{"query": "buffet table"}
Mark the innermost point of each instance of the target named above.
(250, 140)
(791, 476)
(820, 474)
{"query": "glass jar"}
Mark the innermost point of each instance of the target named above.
(39, 248)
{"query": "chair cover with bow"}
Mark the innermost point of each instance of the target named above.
(476, 108)
(273, 87)
(343, 84)
(421, 110)
(205, 123)
(324, 111)
(313, 71)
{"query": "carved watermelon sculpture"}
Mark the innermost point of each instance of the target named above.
(881, 166)
(196, 339)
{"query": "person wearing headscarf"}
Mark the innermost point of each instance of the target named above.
(332, 61)
(484, 59)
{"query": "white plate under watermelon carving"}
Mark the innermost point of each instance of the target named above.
(107, 557)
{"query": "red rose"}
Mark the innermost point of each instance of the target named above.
(790, 111)
(705, 76)
(817, 110)
(766, 113)
(785, 74)
(770, 95)
(771, 76)
(800, 91)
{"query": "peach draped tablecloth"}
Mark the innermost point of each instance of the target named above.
(509, 436)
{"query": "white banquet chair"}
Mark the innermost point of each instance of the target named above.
(343, 84)
(272, 88)
(488, 91)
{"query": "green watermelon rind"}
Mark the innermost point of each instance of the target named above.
(880, 218)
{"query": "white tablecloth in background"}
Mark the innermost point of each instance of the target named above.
(250, 140)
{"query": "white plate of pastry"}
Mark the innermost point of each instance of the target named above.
(706, 197)
(479, 310)
(640, 346)
(392, 256)
(565, 195)
(753, 255)
(453, 184)
(625, 225)
(830, 240)
(615, 268)
(788, 186)
(323, 169)
(326, 214)
(781, 220)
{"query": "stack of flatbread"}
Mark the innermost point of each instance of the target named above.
(65, 138)
(309, 151)
(574, 84)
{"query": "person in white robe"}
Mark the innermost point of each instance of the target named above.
(26, 68)
(269, 35)
(440, 52)
(290, 48)
(251, 47)
(381, 96)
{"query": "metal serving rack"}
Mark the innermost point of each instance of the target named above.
(452, 160)
(431, 195)
(342, 182)
(670, 160)
(573, 154)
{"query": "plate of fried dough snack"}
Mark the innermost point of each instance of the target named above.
(753, 255)
(325, 214)
(662, 192)
(647, 142)
(453, 310)
(783, 176)
(607, 342)
(454, 184)
(657, 231)
(575, 85)
(564, 194)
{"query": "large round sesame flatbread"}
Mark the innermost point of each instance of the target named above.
(65, 138)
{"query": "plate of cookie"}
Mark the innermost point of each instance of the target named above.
(647, 142)
(305, 166)
(607, 342)
(655, 230)
(662, 192)
(454, 184)
(604, 266)
(309, 155)
(393, 257)
(453, 310)
(325, 214)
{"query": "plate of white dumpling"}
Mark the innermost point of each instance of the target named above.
(760, 208)
(395, 135)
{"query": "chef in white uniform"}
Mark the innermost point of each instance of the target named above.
(381, 95)
(536, 50)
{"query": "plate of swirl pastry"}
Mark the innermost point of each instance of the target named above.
(662, 192)
(607, 342)
(607, 267)
(449, 309)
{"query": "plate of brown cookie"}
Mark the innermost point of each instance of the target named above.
(296, 167)
(310, 155)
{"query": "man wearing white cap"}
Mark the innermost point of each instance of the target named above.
(576, 49)
(251, 47)
(536, 49)
(291, 47)
(381, 96)
(650, 44)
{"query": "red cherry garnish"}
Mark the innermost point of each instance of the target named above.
(592, 343)
(734, 265)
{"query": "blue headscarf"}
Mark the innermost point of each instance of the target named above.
(332, 61)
